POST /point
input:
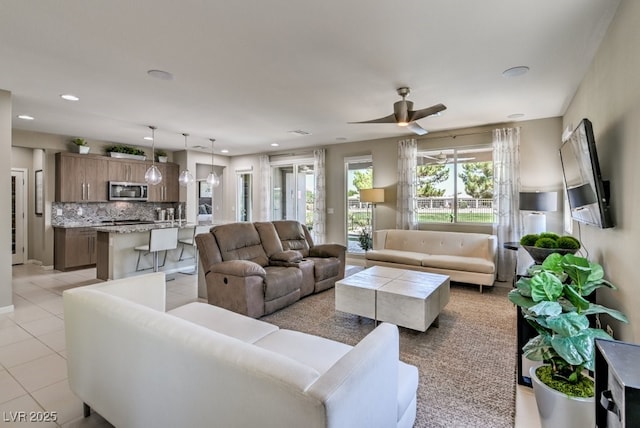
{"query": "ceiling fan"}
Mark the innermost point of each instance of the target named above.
(442, 159)
(403, 115)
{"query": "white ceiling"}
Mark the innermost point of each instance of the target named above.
(246, 72)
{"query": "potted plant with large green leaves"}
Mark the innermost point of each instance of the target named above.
(553, 301)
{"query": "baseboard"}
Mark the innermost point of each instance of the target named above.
(7, 309)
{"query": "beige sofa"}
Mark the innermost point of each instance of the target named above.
(203, 366)
(257, 268)
(465, 257)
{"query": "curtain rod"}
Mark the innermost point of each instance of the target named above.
(454, 136)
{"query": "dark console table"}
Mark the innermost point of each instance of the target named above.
(617, 384)
(524, 331)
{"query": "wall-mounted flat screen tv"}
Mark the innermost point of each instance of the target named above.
(587, 193)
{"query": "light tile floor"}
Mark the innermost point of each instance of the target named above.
(33, 372)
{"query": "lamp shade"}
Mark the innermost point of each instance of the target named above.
(372, 195)
(538, 201)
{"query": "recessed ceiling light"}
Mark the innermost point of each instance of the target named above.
(516, 115)
(160, 74)
(274, 144)
(69, 97)
(148, 138)
(224, 151)
(515, 71)
(25, 117)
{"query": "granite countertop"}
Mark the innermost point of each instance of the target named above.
(135, 228)
(128, 228)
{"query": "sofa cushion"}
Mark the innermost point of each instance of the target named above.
(467, 264)
(313, 351)
(292, 236)
(281, 281)
(269, 237)
(324, 268)
(223, 321)
(240, 241)
(396, 256)
(289, 256)
(436, 242)
(407, 386)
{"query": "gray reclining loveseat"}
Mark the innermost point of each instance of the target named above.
(257, 268)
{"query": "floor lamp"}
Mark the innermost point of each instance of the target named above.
(537, 202)
(372, 197)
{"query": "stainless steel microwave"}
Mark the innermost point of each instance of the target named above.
(122, 191)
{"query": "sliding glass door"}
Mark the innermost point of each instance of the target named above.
(293, 192)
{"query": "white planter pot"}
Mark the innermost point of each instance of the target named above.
(126, 156)
(559, 410)
(83, 149)
(163, 159)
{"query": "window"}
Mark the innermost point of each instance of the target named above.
(455, 185)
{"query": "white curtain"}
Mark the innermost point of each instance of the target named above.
(407, 164)
(506, 173)
(319, 218)
(265, 189)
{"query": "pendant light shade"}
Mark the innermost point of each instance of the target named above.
(153, 175)
(185, 177)
(212, 178)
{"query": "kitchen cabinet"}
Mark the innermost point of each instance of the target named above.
(129, 171)
(81, 178)
(169, 189)
(74, 248)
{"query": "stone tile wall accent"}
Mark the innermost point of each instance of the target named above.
(92, 213)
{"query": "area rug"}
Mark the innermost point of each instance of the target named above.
(467, 364)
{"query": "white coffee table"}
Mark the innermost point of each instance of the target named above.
(403, 297)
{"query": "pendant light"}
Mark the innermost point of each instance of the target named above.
(153, 175)
(185, 177)
(212, 178)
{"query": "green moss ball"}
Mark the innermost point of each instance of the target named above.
(550, 235)
(529, 240)
(546, 243)
(568, 242)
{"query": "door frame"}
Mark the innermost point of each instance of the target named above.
(21, 220)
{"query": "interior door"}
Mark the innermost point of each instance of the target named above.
(18, 223)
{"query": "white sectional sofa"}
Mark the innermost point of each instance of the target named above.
(465, 257)
(202, 366)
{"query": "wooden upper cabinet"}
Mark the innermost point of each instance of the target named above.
(169, 189)
(81, 178)
(85, 178)
(127, 171)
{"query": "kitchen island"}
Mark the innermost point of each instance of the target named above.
(116, 257)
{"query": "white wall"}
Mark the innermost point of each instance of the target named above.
(609, 96)
(5, 195)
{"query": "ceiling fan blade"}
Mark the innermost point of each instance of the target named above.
(419, 114)
(416, 129)
(387, 119)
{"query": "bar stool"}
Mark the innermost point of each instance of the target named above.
(159, 240)
(192, 241)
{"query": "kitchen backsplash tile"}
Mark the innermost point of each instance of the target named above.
(72, 213)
